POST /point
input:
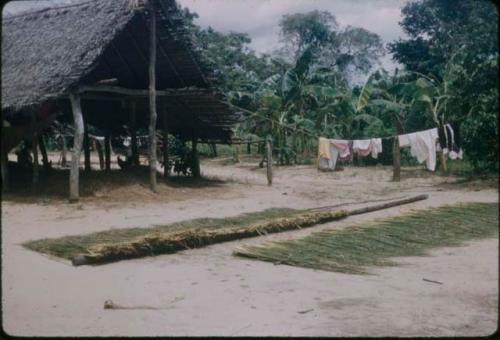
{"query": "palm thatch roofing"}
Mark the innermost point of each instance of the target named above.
(47, 53)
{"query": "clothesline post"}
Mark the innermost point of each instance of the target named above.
(269, 157)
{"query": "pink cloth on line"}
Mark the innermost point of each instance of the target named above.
(343, 146)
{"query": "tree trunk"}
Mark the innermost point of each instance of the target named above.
(77, 147)
(86, 146)
(152, 96)
(34, 147)
(133, 133)
(249, 148)
(107, 150)
(195, 160)
(269, 157)
(166, 167)
(43, 151)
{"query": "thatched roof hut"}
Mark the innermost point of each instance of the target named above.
(96, 61)
(48, 52)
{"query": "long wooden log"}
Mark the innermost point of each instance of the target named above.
(74, 193)
(387, 205)
(176, 241)
(152, 96)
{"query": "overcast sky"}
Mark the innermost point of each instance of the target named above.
(260, 18)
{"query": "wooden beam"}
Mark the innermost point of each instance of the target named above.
(34, 147)
(152, 96)
(187, 91)
(74, 193)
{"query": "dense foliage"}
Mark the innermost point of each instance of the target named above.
(304, 88)
(455, 43)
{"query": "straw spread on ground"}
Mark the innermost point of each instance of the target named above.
(115, 245)
(356, 248)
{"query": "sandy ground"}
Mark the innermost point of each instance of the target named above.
(210, 292)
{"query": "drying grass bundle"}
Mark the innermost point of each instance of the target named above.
(354, 249)
(119, 244)
(170, 242)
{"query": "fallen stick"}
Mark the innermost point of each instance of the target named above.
(432, 281)
(168, 243)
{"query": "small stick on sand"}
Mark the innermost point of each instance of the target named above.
(439, 283)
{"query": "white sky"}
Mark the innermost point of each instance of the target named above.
(260, 18)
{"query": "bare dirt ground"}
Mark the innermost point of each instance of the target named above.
(210, 292)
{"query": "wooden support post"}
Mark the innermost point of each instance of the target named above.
(166, 171)
(86, 146)
(133, 133)
(396, 159)
(100, 152)
(43, 151)
(269, 158)
(74, 194)
(64, 149)
(107, 150)
(195, 160)
(152, 96)
(5, 170)
(34, 147)
(396, 152)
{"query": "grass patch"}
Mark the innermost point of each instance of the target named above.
(354, 249)
(69, 246)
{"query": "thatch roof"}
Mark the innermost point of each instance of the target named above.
(47, 52)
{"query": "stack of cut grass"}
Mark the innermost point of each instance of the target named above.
(118, 244)
(354, 249)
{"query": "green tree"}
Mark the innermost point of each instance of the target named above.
(455, 43)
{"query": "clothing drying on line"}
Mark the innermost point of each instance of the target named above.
(364, 147)
(343, 147)
(329, 150)
(422, 146)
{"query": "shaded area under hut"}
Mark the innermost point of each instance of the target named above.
(107, 64)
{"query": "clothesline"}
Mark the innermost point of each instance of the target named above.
(305, 131)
